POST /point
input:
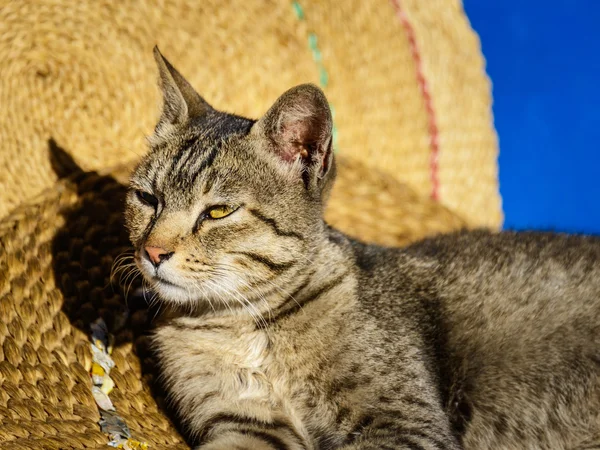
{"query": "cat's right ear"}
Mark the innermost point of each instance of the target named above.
(180, 101)
(298, 129)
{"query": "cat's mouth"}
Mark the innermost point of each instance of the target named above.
(155, 277)
(159, 279)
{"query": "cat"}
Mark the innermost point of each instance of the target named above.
(279, 332)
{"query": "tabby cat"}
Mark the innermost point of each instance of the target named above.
(283, 333)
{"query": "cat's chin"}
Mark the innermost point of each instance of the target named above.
(170, 292)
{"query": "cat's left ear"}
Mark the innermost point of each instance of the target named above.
(298, 127)
(181, 102)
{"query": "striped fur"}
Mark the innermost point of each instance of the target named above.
(279, 332)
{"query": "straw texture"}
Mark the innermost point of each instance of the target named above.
(82, 73)
(372, 206)
(56, 256)
(452, 67)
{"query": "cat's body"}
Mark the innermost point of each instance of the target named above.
(489, 340)
(283, 333)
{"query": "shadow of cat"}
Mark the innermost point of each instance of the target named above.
(84, 252)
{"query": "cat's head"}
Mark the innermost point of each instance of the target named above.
(224, 208)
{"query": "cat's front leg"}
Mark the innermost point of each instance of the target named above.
(424, 428)
(237, 440)
(385, 434)
(233, 431)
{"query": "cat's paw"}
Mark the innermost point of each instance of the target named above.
(236, 441)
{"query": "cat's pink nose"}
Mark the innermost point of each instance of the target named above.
(157, 254)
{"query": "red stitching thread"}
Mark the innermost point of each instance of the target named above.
(433, 129)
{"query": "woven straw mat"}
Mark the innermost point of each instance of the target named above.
(405, 78)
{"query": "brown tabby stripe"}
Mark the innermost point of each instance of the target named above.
(407, 443)
(297, 306)
(206, 163)
(590, 446)
(198, 327)
(420, 434)
(209, 181)
(187, 149)
(291, 298)
(150, 226)
(207, 396)
(267, 262)
(272, 440)
(408, 437)
(411, 399)
(246, 422)
(273, 224)
(365, 421)
(185, 166)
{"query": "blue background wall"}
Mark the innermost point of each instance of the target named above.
(543, 57)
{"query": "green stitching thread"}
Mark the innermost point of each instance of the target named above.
(298, 10)
(318, 58)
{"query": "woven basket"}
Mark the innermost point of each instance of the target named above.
(412, 123)
(405, 78)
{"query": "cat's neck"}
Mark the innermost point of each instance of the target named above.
(332, 260)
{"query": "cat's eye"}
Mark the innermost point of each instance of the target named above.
(220, 211)
(147, 198)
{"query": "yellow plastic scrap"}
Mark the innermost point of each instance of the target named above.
(97, 369)
(107, 385)
(131, 444)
